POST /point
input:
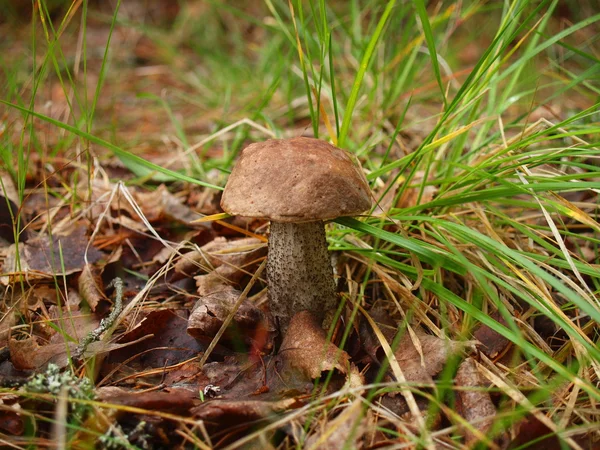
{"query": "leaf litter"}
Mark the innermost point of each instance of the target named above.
(307, 388)
(151, 361)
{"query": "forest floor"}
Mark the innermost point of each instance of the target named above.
(135, 314)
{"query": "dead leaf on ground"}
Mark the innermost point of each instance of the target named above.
(210, 312)
(166, 343)
(11, 422)
(27, 354)
(305, 350)
(472, 402)
(7, 321)
(420, 366)
(228, 413)
(414, 195)
(234, 254)
(31, 354)
(90, 287)
(368, 339)
(345, 431)
(231, 268)
(532, 434)
(174, 400)
(493, 342)
(43, 257)
(71, 322)
(163, 205)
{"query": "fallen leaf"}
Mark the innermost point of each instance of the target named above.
(534, 435)
(236, 255)
(163, 205)
(11, 421)
(7, 321)
(210, 312)
(472, 402)
(166, 342)
(368, 339)
(493, 343)
(345, 431)
(28, 354)
(305, 349)
(44, 257)
(228, 413)
(420, 367)
(174, 400)
(70, 322)
(89, 287)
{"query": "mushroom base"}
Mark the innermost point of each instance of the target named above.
(299, 270)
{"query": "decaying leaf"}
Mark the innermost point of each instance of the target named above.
(174, 400)
(226, 263)
(473, 403)
(368, 340)
(231, 412)
(415, 195)
(345, 431)
(11, 422)
(89, 287)
(234, 254)
(210, 312)
(7, 321)
(421, 366)
(532, 434)
(305, 349)
(44, 257)
(493, 342)
(27, 354)
(166, 341)
(163, 205)
(32, 354)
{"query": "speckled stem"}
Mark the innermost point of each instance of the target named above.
(299, 270)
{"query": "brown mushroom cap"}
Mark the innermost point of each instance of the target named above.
(295, 180)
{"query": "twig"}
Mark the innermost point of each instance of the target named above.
(105, 323)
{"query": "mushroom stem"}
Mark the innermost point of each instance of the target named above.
(299, 270)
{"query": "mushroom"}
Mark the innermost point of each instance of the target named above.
(297, 184)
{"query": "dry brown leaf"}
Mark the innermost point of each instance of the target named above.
(44, 257)
(27, 354)
(474, 405)
(233, 412)
(174, 400)
(7, 321)
(166, 341)
(493, 342)
(72, 322)
(435, 353)
(210, 312)
(89, 287)
(163, 205)
(11, 422)
(232, 254)
(210, 283)
(232, 261)
(305, 349)
(345, 431)
(410, 196)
